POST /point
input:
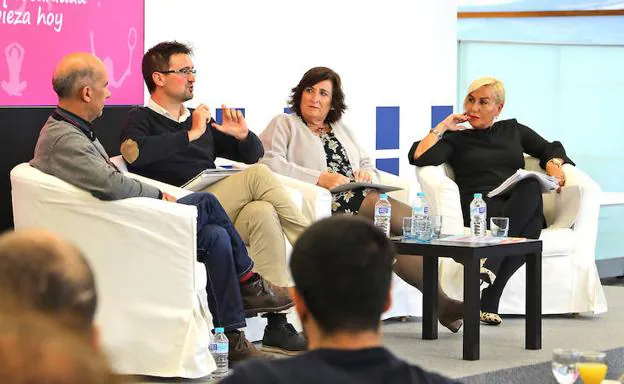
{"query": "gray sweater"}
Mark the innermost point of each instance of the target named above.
(65, 152)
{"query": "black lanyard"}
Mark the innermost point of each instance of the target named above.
(63, 116)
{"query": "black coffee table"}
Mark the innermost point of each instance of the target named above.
(469, 255)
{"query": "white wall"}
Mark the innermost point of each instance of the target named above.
(250, 53)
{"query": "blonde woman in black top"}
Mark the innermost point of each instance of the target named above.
(482, 158)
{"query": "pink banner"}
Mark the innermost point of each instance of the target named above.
(35, 34)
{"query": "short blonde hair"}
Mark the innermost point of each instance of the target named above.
(497, 87)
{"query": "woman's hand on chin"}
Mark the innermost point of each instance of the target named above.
(331, 180)
(451, 123)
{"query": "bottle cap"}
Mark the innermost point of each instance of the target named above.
(478, 195)
(420, 194)
(219, 330)
(383, 196)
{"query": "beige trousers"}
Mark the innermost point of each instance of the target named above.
(263, 212)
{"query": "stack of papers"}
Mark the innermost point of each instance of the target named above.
(208, 177)
(548, 183)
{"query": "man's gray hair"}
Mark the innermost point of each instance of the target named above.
(67, 84)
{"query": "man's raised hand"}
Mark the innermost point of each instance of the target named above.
(233, 123)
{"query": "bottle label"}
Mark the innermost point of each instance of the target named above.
(478, 210)
(383, 211)
(420, 210)
(218, 347)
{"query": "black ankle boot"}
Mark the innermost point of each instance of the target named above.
(281, 337)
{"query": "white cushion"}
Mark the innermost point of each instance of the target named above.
(557, 241)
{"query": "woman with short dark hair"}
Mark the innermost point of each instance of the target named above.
(312, 144)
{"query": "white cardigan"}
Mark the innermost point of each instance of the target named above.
(291, 149)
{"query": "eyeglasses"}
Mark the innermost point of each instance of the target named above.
(186, 71)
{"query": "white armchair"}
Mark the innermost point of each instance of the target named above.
(312, 205)
(152, 308)
(406, 300)
(570, 282)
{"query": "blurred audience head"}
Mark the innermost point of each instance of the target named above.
(342, 269)
(35, 349)
(42, 272)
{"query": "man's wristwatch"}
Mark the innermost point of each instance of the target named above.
(437, 133)
(558, 162)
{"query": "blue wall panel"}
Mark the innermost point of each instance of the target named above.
(439, 113)
(388, 165)
(387, 128)
(219, 116)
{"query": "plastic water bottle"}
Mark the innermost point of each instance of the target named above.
(420, 219)
(478, 214)
(219, 347)
(383, 213)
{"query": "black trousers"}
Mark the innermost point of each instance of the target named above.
(524, 207)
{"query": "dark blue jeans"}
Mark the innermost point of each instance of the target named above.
(223, 253)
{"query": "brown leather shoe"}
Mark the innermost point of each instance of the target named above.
(240, 348)
(260, 296)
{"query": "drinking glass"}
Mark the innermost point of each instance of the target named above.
(592, 367)
(564, 365)
(408, 233)
(436, 226)
(499, 226)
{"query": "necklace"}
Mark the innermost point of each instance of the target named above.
(320, 130)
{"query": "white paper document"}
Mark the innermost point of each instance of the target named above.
(208, 177)
(356, 184)
(548, 183)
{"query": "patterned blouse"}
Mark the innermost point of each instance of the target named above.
(347, 202)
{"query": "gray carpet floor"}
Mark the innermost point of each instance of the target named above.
(502, 347)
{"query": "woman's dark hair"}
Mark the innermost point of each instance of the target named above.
(315, 76)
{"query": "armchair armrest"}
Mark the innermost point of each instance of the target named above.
(442, 195)
(316, 200)
(401, 195)
(174, 191)
(164, 187)
(561, 209)
(586, 224)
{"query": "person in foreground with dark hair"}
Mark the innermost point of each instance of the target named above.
(342, 268)
(314, 145)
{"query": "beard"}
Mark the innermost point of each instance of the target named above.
(187, 95)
